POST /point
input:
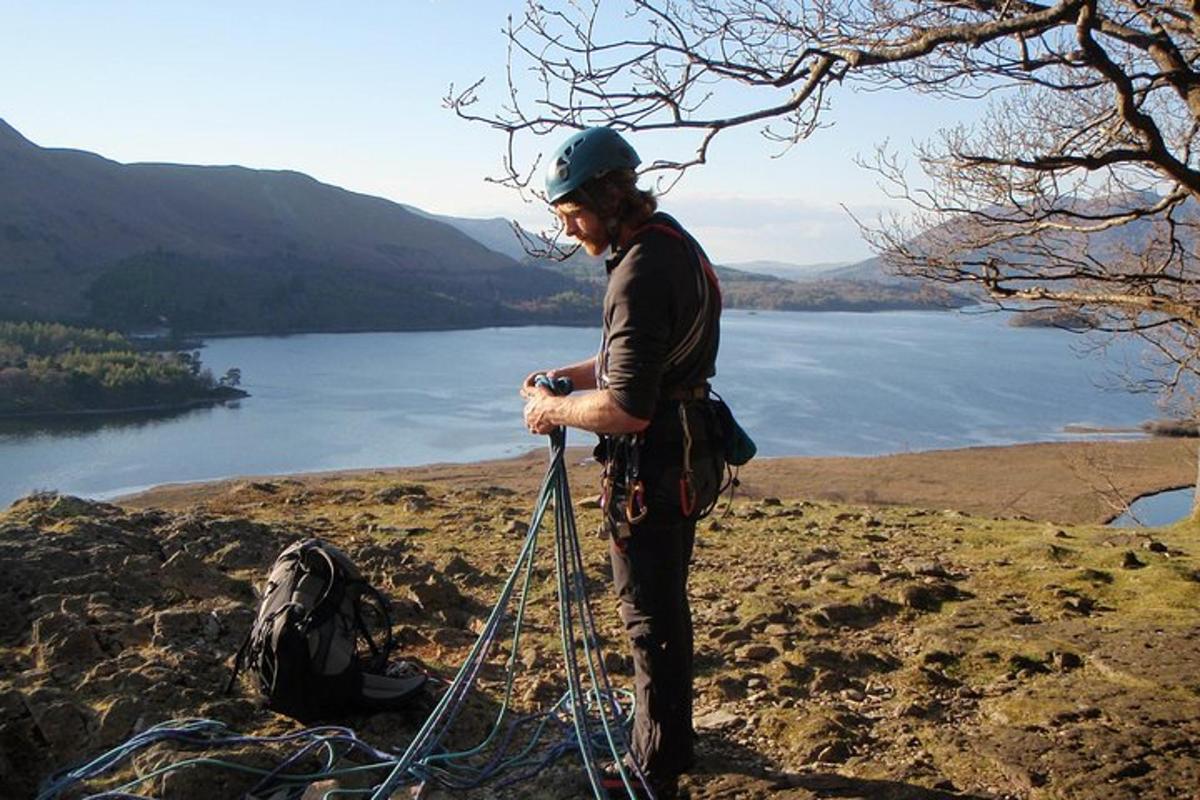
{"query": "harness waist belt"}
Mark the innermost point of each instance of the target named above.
(689, 392)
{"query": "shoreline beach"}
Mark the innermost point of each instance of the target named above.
(1064, 482)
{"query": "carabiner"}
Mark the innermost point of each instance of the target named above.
(636, 499)
(687, 495)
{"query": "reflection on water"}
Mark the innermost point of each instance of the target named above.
(801, 384)
(22, 429)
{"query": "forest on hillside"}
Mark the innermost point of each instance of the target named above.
(49, 368)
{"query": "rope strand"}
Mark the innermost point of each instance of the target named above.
(589, 718)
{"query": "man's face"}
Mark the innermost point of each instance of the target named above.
(582, 225)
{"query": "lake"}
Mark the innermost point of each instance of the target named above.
(800, 383)
(1159, 509)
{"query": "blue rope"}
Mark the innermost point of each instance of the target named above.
(588, 719)
(212, 734)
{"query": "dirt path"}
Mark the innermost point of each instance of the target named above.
(1066, 482)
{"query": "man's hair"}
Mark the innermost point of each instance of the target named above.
(615, 198)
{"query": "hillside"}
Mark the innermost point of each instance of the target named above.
(764, 285)
(494, 233)
(841, 651)
(788, 271)
(1056, 246)
(223, 249)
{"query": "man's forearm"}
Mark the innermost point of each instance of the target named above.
(582, 375)
(596, 411)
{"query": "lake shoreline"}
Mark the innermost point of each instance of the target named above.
(591, 321)
(228, 395)
(1060, 482)
(856, 384)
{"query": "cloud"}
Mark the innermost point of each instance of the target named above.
(734, 229)
(738, 229)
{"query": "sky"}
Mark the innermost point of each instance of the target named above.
(352, 94)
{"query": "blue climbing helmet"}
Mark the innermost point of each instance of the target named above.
(587, 154)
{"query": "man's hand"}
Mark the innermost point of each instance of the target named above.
(594, 411)
(539, 405)
(533, 376)
(581, 375)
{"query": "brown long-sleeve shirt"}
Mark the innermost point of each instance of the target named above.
(662, 314)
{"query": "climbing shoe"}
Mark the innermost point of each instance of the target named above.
(615, 789)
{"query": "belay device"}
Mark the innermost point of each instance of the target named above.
(597, 718)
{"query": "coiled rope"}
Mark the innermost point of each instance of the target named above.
(590, 718)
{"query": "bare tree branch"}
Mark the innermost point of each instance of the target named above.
(1077, 188)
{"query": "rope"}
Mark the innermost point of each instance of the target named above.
(590, 717)
(212, 734)
(421, 758)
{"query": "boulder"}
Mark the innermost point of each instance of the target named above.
(871, 610)
(63, 725)
(179, 628)
(119, 720)
(719, 720)
(920, 597)
(837, 752)
(617, 663)
(541, 691)
(515, 527)
(242, 554)
(56, 623)
(68, 650)
(457, 565)
(1131, 561)
(435, 593)
(195, 579)
(735, 635)
(925, 566)
(756, 652)
(415, 504)
(65, 506)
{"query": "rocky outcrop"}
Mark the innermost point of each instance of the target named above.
(839, 651)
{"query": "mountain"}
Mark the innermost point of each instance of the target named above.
(750, 285)
(226, 248)
(868, 270)
(498, 234)
(1114, 247)
(494, 233)
(786, 270)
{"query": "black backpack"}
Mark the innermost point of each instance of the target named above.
(306, 647)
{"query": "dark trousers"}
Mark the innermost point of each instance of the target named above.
(650, 570)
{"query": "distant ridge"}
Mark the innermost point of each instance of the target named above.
(756, 284)
(786, 270)
(494, 233)
(232, 249)
(10, 137)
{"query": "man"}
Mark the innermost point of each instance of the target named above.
(650, 405)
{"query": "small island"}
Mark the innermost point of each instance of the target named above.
(50, 369)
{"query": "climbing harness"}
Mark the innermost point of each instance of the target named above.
(621, 454)
(590, 718)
